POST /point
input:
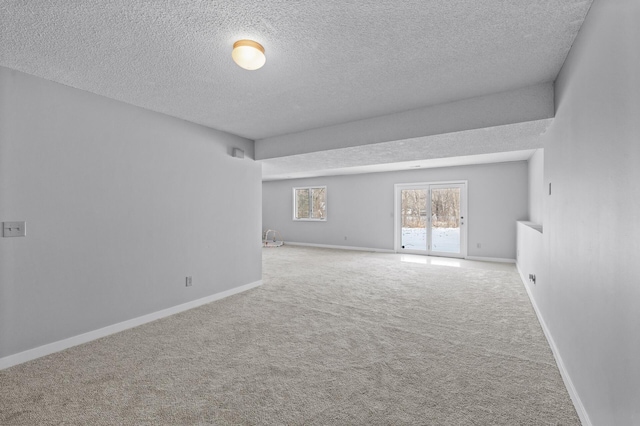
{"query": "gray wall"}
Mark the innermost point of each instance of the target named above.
(591, 302)
(121, 204)
(360, 207)
(536, 186)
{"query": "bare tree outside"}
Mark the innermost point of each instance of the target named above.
(444, 222)
(414, 208)
(302, 203)
(311, 203)
(319, 196)
(445, 208)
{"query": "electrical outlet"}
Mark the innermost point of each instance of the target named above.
(345, 238)
(14, 229)
(189, 282)
(479, 245)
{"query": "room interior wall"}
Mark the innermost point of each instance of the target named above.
(360, 208)
(591, 299)
(121, 204)
(536, 186)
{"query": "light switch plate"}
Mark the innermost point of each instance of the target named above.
(14, 229)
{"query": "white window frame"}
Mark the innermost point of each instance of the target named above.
(310, 219)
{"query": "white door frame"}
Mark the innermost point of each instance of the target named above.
(397, 220)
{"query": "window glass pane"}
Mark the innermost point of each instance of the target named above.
(310, 203)
(414, 219)
(445, 220)
(319, 196)
(302, 203)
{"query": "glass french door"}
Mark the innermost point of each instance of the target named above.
(432, 219)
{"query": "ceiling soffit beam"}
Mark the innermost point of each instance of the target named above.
(498, 157)
(428, 151)
(515, 106)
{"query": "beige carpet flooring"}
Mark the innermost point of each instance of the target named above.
(331, 338)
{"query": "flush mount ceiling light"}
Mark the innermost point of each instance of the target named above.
(248, 54)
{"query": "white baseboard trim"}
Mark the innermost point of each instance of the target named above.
(40, 351)
(491, 259)
(377, 250)
(573, 394)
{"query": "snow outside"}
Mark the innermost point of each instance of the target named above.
(446, 240)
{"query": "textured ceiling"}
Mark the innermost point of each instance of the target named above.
(467, 147)
(328, 62)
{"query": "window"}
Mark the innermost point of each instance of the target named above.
(310, 203)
